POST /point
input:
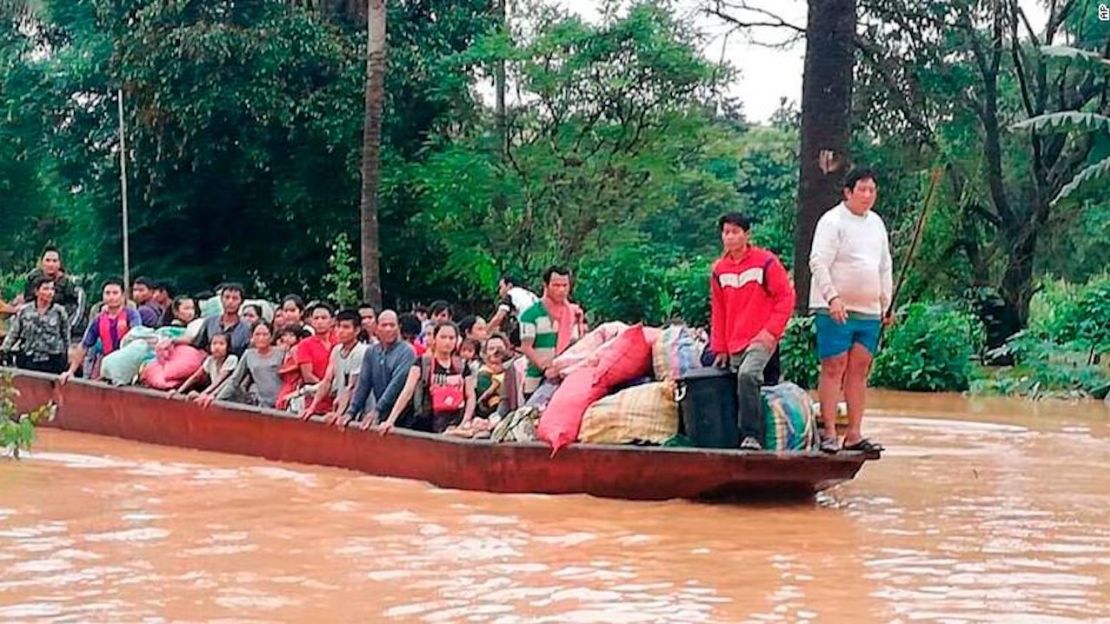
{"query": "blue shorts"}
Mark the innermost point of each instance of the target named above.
(835, 339)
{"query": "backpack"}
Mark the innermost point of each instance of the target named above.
(442, 398)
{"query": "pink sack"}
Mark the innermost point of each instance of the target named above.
(626, 358)
(583, 351)
(623, 359)
(561, 420)
(183, 361)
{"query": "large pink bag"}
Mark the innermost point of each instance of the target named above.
(169, 373)
(625, 358)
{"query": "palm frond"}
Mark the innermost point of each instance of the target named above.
(1094, 172)
(1085, 57)
(1065, 121)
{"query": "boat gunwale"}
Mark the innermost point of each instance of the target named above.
(253, 410)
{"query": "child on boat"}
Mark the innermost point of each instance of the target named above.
(491, 376)
(217, 368)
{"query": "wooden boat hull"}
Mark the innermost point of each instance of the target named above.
(626, 472)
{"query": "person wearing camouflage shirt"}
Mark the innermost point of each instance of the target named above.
(39, 332)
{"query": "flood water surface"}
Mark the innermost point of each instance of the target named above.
(978, 512)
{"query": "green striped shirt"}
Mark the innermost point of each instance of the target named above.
(537, 325)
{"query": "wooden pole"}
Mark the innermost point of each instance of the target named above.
(918, 232)
(123, 195)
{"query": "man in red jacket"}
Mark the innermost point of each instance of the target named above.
(751, 299)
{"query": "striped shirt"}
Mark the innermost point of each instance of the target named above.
(538, 326)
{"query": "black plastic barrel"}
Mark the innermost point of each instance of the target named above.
(707, 403)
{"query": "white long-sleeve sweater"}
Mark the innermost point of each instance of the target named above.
(850, 259)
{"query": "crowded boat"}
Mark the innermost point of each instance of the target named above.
(536, 370)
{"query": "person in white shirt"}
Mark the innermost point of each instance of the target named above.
(850, 295)
(514, 300)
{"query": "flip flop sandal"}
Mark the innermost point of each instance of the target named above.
(828, 445)
(864, 445)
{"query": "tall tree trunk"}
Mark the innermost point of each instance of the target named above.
(499, 86)
(826, 124)
(371, 153)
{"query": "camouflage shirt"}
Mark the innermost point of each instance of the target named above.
(42, 333)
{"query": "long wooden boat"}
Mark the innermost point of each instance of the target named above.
(627, 472)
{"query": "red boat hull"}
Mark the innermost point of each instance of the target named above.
(628, 472)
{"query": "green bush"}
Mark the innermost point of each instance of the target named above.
(1075, 314)
(1058, 354)
(929, 349)
(798, 351)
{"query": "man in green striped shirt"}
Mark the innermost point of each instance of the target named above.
(548, 327)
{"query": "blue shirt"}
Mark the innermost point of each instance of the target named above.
(384, 372)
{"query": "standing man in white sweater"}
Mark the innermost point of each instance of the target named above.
(850, 295)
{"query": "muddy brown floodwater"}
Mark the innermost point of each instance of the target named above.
(981, 511)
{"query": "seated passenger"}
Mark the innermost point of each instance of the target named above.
(341, 377)
(50, 267)
(442, 385)
(474, 328)
(489, 380)
(251, 314)
(410, 332)
(163, 298)
(312, 356)
(256, 380)
(107, 329)
(288, 338)
(216, 370)
(385, 367)
(368, 321)
(291, 313)
(142, 293)
(239, 332)
(469, 351)
(39, 331)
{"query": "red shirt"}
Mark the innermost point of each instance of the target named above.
(315, 350)
(747, 296)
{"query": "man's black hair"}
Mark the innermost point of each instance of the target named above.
(113, 281)
(143, 280)
(410, 325)
(420, 308)
(439, 305)
(857, 174)
(511, 279)
(318, 305)
(552, 270)
(351, 316)
(236, 287)
(49, 248)
(367, 305)
(165, 285)
(734, 218)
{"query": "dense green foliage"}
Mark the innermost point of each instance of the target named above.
(928, 349)
(1066, 348)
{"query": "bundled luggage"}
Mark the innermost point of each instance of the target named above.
(790, 421)
(644, 413)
